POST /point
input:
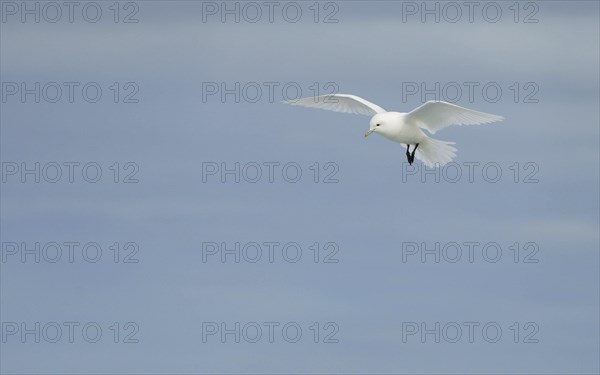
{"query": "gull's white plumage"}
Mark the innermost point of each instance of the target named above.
(340, 103)
(406, 128)
(434, 116)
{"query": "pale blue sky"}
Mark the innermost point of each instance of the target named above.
(369, 213)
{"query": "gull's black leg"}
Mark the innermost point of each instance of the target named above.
(412, 156)
(408, 154)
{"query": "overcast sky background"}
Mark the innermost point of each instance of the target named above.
(373, 209)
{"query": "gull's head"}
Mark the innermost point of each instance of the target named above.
(379, 123)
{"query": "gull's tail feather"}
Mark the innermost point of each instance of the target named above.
(435, 153)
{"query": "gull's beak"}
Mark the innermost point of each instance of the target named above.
(369, 132)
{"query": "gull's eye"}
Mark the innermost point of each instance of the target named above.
(377, 125)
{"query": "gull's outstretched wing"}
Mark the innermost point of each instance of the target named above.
(340, 103)
(434, 116)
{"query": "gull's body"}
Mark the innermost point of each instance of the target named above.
(407, 128)
(399, 130)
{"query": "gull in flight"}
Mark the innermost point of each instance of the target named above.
(406, 128)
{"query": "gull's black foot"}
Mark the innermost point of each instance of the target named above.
(410, 160)
(412, 156)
